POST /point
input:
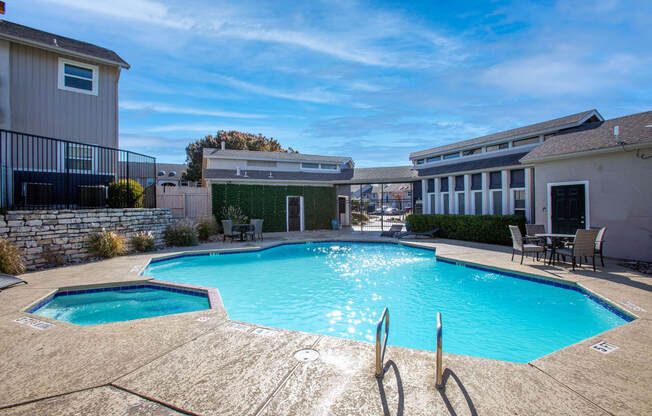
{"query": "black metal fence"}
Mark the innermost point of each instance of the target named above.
(45, 173)
(376, 207)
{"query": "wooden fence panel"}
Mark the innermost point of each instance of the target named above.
(184, 202)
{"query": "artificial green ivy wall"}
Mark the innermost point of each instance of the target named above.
(268, 202)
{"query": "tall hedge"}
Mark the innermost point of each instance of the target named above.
(268, 202)
(491, 229)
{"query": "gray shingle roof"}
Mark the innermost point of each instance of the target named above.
(15, 32)
(485, 163)
(633, 129)
(383, 174)
(275, 155)
(538, 128)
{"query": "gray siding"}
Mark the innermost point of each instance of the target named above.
(39, 107)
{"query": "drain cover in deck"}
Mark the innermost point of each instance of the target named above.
(306, 355)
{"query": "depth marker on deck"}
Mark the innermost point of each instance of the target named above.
(604, 347)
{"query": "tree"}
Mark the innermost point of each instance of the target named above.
(235, 140)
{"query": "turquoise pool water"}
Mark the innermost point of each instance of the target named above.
(340, 289)
(92, 307)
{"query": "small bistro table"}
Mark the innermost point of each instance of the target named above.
(556, 239)
(243, 228)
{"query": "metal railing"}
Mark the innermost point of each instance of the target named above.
(40, 172)
(439, 382)
(380, 351)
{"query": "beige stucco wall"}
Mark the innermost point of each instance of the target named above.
(620, 198)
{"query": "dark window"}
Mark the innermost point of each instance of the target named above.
(310, 165)
(477, 196)
(460, 204)
(433, 159)
(452, 155)
(476, 181)
(472, 152)
(79, 158)
(459, 183)
(517, 178)
(431, 185)
(328, 166)
(525, 142)
(77, 77)
(499, 146)
(446, 205)
(420, 162)
(443, 184)
(495, 180)
(497, 199)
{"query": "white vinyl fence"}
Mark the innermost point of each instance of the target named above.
(184, 201)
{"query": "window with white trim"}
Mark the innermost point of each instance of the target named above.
(519, 202)
(445, 206)
(477, 203)
(78, 77)
(496, 202)
(310, 165)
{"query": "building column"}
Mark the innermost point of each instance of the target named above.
(485, 193)
(467, 194)
(451, 194)
(424, 196)
(505, 191)
(437, 207)
(528, 195)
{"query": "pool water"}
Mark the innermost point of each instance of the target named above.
(340, 289)
(120, 304)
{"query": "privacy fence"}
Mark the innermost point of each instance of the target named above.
(46, 173)
(271, 202)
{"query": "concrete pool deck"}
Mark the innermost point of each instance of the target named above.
(178, 364)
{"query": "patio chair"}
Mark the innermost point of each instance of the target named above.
(7, 281)
(599, 243)
(531, 230)
(583, 246)
(258, 228)
(393, 230)
(518, 245)
(430, 233)
(227, 227)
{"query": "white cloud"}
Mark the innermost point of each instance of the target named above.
(147, 11)
(316, 95)
(164, 108)
(559, 73)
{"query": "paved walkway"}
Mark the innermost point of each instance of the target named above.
(178, 365)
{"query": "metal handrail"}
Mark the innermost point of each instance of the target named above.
(380, 351)
(439, 382)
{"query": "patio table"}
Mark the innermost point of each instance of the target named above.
(243, 228)
(556, 240)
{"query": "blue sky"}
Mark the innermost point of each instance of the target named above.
(374, 81)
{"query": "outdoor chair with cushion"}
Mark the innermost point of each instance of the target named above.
(583, 246)
(258, 227)
(393, 230)
(227, 226)
(599, 243)
(523, 248)
(7, 281)
(430, 233)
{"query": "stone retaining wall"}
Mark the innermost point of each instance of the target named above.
(52, 238)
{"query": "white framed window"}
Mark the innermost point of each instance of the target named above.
(518, 201)
(445, 204)
(477, 203)
(330, 166)
(460, 208)
(319, 166)
(496, 202)
(78, 77)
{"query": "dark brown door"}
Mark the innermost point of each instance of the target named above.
(294, 213)
(568, 208)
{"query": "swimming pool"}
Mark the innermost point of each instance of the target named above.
(119, 303)
(340, 289)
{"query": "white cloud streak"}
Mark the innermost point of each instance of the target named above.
(164, 108)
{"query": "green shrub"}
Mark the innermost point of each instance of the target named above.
(491, 229)
(206, 227)
(106, 244)
(11, 261)
(143, 241)
(234, 213)
(181, 234)
(125, 193)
